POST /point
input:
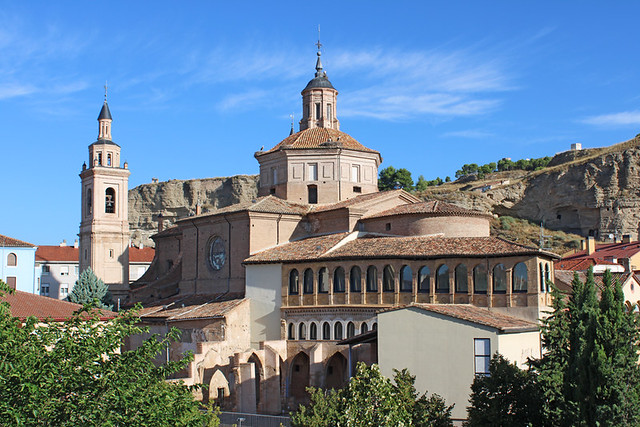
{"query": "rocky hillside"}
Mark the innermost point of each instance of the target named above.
(176, 199)
(595, 191)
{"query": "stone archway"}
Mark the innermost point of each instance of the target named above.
(299, 378)
(258, 377)
(219, 388)
(336, 372)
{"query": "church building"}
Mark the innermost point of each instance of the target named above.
(266, 292)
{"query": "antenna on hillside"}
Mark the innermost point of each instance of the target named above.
(543, 238)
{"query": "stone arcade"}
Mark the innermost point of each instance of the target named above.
(265, 291)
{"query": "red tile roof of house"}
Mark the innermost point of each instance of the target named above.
(10, 242)
(366, 198)
(375, 246)
(580, 264)
(432, 208)
(319, 138)
(473, 314)
(613, 250)
(70, 254)
(563, 279)
(187, 307)
(25, 304)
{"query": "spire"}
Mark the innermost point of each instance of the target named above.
(292, 131)
(104, 119)
(319, 72)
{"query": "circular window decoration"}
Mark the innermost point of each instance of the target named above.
(217, 254)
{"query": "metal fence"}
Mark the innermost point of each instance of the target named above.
(239, 419)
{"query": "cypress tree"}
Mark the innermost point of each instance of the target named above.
(90, 289)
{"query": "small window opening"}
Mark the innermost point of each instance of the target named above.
(109, 159)
(318, 111)
(357, 189)
(99, 158)
(110, 201)
(387, 226)
(110, 253)
(313, 194)
(272, 191)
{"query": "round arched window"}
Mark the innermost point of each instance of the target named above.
(217, 253)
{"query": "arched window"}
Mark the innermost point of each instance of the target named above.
(323, 280)
(313, 331)
(108, 159)
(337, 331)
(547, 277)
(326, 331)
(302, 331)
(351, 329)
(372, 279)
(461, 278)
(442, 279)
(355, 279)
(12, 260)
(293, 282)
(308, 281)
(406, 279)
(424, 277)
(110, 200)
(499, 279)
(374, 326)
(89, 202)
(364, 328)
(480, 281)
(542, 286)
(338, 280)
(388, 279)
(520, 277)
(292, 331)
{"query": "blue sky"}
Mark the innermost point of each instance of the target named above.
(196, 87)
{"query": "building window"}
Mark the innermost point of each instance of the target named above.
(46, 270)
(480, 282)
(329, 112)
(274, 176)
(461, 278)
(372, 279)
(424, 277)
(482, 355)
(364, 328)
(323, 280)
(388, 279)
(108, 159)
(293, 282)
(64, 270)
(355, 279)
(313, 172)
(12, 260)
(11, 283)
(44, 289)
(499, 279)
(355, 173)
(64, 290)
(318, 111)
(357, 189)
(272, 191)
(338, 280)
(302, 331)
(442, 279)
(110, 253)
(89, 202)
(110, 201)
(326, 331)
(313, 194)
(313, 331)
(406, 279)
(542, 287)
(292, 332)
(308, 281)
(337, 331)
(520, 277)
(351, 329)
(99, 158)
(547, 277)
(387, 226)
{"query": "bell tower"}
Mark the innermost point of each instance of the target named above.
(104, 225)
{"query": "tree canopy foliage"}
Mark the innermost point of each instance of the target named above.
(73, 374)
(89, 289)
(390, 178)
(588, 374)
(370, 399)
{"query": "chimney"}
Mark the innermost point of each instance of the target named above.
(591, 245)
(75, 244)
(198, 209)
(582, 245)
(160, 223)
(64, 243)
(626, 238)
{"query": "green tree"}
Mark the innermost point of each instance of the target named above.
(447, 179)
(89, 288)
(390, 178)
(370, 399)
(508, 396)
(74, 373)
(422, 183)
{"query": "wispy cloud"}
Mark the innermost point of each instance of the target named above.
(12, 90)
(624, 118)
(469, 133)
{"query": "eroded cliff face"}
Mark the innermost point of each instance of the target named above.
(177, 199)
(598, 194)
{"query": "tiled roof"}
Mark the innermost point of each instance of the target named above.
(186, 307)
(370, 246)
(265, 204)
(580, 264)
(318, 138)
(433, 207)
(478, 315)
(563, 278)
(25, 304)
(10, 242)
(365, 198)
(70, 254)
(614, 250)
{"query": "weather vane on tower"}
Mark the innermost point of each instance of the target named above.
(105, 91)
(319, 44)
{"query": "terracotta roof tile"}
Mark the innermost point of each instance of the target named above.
(614, 250)
(478, 315)
(265, 204)
(145, 254)
(25, 304)
(433, 207)
(319, 138)
(364, 198)
(371, 246)
(186, 307)
(563, 279)
(10, 242)
(580, 264)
